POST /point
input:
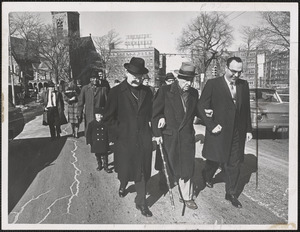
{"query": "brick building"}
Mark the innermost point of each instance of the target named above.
(154, 62)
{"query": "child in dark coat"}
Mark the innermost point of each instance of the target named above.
(97, 137)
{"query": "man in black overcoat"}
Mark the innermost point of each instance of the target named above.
(92, 96)
(128, 114)
(174, 110)
(228, 128)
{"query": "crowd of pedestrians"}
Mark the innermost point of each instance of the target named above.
(132, 114)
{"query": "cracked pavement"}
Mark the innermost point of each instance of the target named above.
(57, 183)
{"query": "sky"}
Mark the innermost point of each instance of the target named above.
(165, 27)
(164, 21)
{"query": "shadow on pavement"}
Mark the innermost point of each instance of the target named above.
(155, 190)
(248, 167)
(26, 158)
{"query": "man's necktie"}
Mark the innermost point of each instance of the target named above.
(52, 99)
(233, 91)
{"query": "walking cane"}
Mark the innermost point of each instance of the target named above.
(167, 176)
(184, 205)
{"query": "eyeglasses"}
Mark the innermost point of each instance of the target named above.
(234, 71)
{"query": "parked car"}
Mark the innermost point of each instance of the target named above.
(268, 111)
(16, 121)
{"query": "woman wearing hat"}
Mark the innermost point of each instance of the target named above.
(54, 110)
(71, 97)
(128, 112)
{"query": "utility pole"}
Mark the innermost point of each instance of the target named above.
(11, 73)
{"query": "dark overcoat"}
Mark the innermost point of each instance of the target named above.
(216, 96)
(132, 138)
(89, 99)
(178, 134)
(97, 137)
(60, 118)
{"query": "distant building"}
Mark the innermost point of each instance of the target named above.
(24, 58)
(83, 57)
(153, 62)
(254, 65)
(277, 71)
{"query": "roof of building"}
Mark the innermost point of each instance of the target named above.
(24, 51)
(84, 59)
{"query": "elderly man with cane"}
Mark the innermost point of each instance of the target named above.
(174, 109)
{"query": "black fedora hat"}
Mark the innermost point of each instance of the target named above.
(169, 76)
(186, 71)
(99, 110)
(136, 66)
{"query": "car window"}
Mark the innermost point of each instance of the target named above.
(263, 95)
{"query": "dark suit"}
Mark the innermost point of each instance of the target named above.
(129, 120)
(54, 116)
(226, 147)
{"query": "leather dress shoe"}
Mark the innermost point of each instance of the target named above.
(122, 192)
(234, 201)
(208, 183)
(144, 210)
(189, 203)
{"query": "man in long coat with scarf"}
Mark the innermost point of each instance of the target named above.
(228, 128)
(128, 114)
(174, 110)
(91, 96)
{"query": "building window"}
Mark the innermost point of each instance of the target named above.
(59, 27)
(252, 54)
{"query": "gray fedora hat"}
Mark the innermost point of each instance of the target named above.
(187, 70)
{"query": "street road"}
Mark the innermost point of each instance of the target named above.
(57, 183)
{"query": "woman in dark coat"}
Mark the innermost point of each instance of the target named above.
(54, 110)
(71, 98)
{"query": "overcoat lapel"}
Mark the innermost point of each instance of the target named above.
(189, 108)
(91, 94)
(142, 98)
(46, 97)
(176, 101)
(126, 91)
(239, 94)
(225, 86)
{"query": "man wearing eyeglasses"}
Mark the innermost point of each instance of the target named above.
(228, 128)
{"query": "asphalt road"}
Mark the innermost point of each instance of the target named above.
(57, 183)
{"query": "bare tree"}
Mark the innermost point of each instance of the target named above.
(275, 30)
(26, 27)
(104, 45)
(250, 38)
(55, 51)
(206, 37)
